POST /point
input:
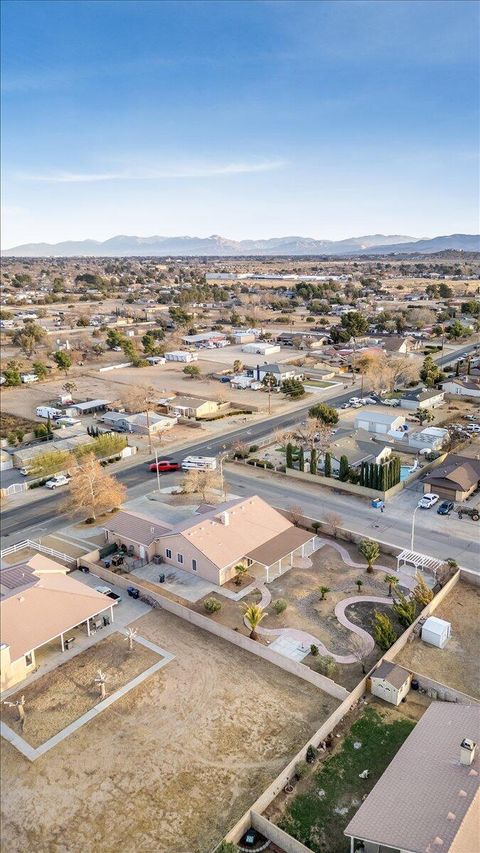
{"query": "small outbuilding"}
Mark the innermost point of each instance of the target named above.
(436, 632)
(390, 682)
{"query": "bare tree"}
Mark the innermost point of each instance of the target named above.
(20, 705)
(131, 634)
(324, 437)
(295, 514)
(101, 679)
(92, 489)
(305, 433)
(358, 649)
(335, 521)
(138, 398)
(202, 483)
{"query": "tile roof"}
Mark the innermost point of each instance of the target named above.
(424, 798)
(458, 471)
(136, 527)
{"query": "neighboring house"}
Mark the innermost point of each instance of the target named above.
(140, 423)
(358, 447)
(181, 355)
(456, 479)
(40, 603)
(215, 539)
(379, 422)
(400, 345)
(468, 386)
(390, 682)
(427, 800)
(430, 438)
(87, 408)
(191, 407)
(421, 398)
(6, 461)
(22, 457)
(213, 339)
(261, 348)
(280, 372)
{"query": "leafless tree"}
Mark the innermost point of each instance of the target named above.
(131, 634)
(335, 521)
(358, 650)
(305, 433)
(295, 514)
(20, 705)
(101, 679)
(202, 483)
(92, 489)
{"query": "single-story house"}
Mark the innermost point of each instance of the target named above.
(456, 479)
(40, 603)
(390, 682)
(181, 355)
(280, 372)
(430, 438)
(140, 423)
(6, 461)
(205, 339)
(358, 447)
(401, 345)
(379, 422)
(261, 348)
(22, 457)
(191, 407)
(427, 800)
(215, 539)
(468, 386)
(421, 398)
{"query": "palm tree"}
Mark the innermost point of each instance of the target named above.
(371, 551)
(323, 592)
(131, 634)
(254, 614)
(392, 581)
(240, 571)
(359, 584)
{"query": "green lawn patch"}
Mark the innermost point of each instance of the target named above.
(319, 383)
(318, 816)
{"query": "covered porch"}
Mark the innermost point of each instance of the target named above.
(289, 549)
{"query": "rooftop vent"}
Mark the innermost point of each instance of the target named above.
(467, 751)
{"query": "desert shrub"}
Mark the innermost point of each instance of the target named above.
(383, 631)
(90, 520)
(326, 665)
(212, 605)
(280, 605)
(314, 650)
(253, 448)
(301, 768)
(311, 753)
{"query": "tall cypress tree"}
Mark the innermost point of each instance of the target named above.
(289, 455)
(301, 460)
(328, 464)
(313, 461)
(344, 469)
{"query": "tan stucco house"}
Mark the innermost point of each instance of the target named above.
(215, 538)
(40, 603)
(191, 407)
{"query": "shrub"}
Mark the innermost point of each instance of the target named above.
(405, 609)
(212, 605)
(314, 650)
(90, 520)
(316, 526)
(383, 631)
(253, 448)
(301, 769)
(280, 605)
(326, 665)
(311, 753)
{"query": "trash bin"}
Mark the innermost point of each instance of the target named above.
(161, 578)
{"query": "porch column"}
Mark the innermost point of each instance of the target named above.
(280, 567)
(63, 644)
(352, 842)
(266, 567)
(303, 549)
(111, 612)
(88, 627)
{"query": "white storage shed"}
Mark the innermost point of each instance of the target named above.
(261, 348)
(436, 632)
(181, 355)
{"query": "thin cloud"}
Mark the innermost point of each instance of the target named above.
(207, 171)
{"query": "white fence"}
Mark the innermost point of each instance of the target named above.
(36, 546)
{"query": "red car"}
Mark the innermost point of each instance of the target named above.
(164, 465)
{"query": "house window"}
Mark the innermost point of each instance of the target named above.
(29, 659)
(168, 553)
(180, 558)
(194, 565)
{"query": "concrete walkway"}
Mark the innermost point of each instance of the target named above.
(404, 580)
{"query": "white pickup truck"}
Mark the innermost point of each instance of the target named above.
(57, 480)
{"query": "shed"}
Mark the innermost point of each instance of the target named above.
(390, 682)
(436, 631)
(261, 348)
(379, 422)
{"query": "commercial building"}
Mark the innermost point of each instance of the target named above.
(379, 422)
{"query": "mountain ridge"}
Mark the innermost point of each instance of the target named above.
(123, 245)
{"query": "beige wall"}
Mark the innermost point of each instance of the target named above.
(386, 691)
(12, 672)
(180, 545)
(124, 540)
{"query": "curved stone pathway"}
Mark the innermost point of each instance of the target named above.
(304, 638)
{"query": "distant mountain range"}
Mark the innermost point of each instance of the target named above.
(216, 246)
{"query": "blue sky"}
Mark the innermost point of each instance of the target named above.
(246, 119)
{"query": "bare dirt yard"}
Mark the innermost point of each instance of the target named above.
(456, 665)
(63, 695)
(169, 767)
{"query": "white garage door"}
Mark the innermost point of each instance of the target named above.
(364, 425)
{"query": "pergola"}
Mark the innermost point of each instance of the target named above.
(418, 561)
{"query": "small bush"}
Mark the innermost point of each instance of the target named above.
(316, 526)
(311, 753)
(301, 768)
(90, 520)
(314, 650)
(212, 605)
(253, 448)
(280, 605)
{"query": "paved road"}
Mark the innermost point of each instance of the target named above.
(447, 359)
(45, 510)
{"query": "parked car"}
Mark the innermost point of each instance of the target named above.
(105, 590)
(57, 480)
(473, 427)
(391, 402)
(369, 401)
(470, 511)
(428, 500)
(472, 417)
(164, 465)
(25, 472)
(353, 400)
(445, 508)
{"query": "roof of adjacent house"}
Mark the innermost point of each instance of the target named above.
(425, 797)
(393, 673)
(276, 368)
(187, 402)
(421, 394)
(357, 446)
(378, 417)
(140, 419)
(53, 603)
(472, 383)
(136, 527)
(456, 472)
(394, 342)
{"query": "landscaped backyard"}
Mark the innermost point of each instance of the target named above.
(325, 800)
(65, 694)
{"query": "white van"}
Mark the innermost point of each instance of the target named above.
(199, 463)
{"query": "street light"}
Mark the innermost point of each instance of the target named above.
(222, 457)
(413, 527)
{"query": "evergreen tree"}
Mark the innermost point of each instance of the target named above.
(313, 461)
(328, 465)
(344, 469)
(301, 460)
(289, 455)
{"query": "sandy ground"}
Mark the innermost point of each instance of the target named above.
(456, 665)
(63, 695)
(168, 768)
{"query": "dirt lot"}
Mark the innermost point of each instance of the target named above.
(62, 696)
(457, 664)
(168, 768)
(10, 423)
